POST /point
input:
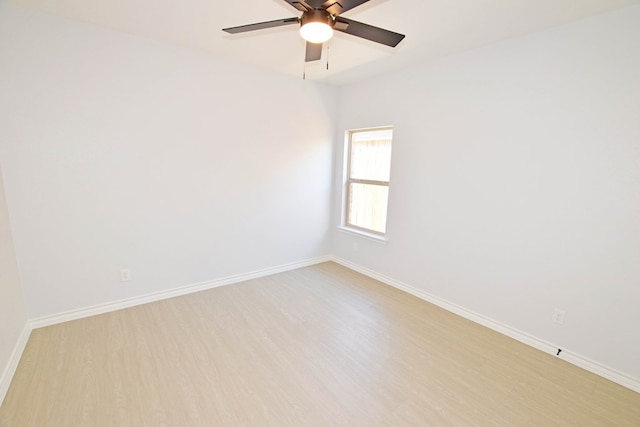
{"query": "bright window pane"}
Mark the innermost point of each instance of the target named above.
(371, 156)
(368, 206)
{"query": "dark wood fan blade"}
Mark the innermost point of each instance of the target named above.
(369, 32)
(261, 25)
(314, 52)
(337, 7)
(301, 5)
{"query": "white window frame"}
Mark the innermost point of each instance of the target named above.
(346, 226)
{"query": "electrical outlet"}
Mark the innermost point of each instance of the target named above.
(558, 316)
(125, 275)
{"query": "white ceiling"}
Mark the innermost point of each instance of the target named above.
(434, 28)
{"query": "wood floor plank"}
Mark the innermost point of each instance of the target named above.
(318, 346)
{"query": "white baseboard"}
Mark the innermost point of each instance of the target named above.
(12, 365)
(157, 296)
(573, 358)
(602, 370)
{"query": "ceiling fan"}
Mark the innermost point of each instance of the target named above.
(318, 21)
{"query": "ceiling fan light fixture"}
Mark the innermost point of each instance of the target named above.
(319, 20)
(316, 26)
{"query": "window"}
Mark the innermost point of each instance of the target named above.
(367, 186)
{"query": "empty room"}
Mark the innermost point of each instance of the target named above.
(317, 213)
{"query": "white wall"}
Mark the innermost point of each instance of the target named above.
(120, 152)
(515, 184)
(12, 312)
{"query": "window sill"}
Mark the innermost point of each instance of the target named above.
(369, 236)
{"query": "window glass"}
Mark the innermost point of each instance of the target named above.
(371, 159)
(368, 206)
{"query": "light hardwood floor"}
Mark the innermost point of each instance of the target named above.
(318, 346)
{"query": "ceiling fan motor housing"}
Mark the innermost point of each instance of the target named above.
(316, 15)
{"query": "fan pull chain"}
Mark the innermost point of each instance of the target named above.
(327, 56)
